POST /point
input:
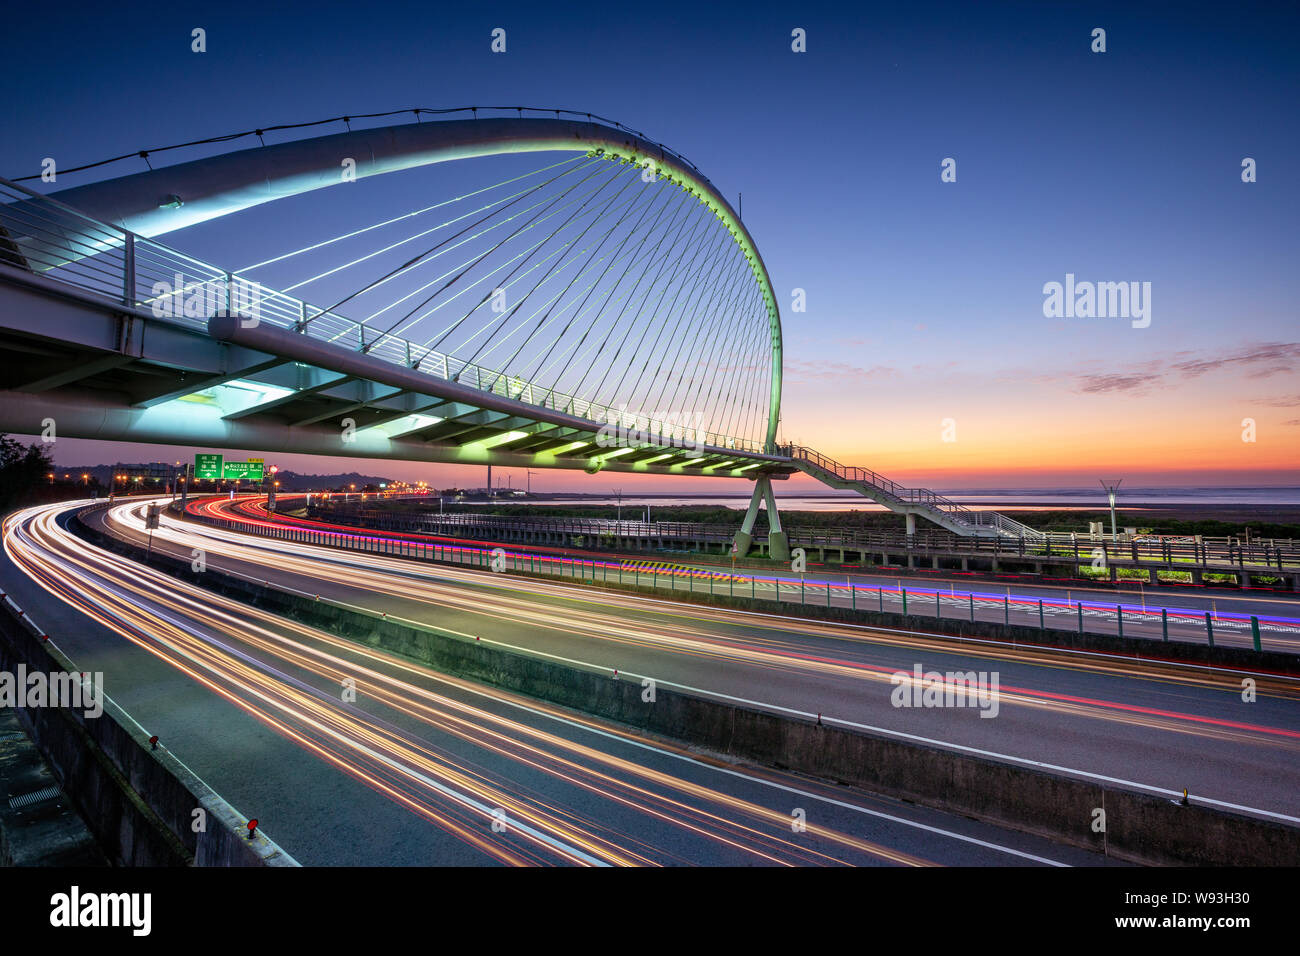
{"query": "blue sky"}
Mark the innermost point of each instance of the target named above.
(924, 298)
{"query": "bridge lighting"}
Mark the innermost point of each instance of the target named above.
(495, 440)
(614, 454)
(404, 425)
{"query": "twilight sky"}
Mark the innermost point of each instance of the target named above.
(924, 298)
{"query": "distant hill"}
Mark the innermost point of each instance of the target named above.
(293, 481)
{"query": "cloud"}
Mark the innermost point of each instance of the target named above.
(1256, 361)
(1096, 384)
(1284, 401)
(1283, 357)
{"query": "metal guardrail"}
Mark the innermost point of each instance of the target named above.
(42, 235)
(583, 526)
(1050, 614)
(1207, 553)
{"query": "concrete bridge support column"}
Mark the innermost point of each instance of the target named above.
(744, 539)
(778, 544)
(911, 524)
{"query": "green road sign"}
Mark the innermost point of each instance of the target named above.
(207, 466)
(244, 470)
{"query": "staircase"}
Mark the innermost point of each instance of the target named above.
(942, 511)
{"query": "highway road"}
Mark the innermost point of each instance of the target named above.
(928, 594)
(422, 768)
(1157, 726)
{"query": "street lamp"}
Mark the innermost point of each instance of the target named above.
(1110, 493)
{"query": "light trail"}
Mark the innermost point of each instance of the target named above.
(253, 510)
(776, 643)
(162, 615)
(509, 599)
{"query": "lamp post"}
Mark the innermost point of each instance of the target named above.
(1110, 494)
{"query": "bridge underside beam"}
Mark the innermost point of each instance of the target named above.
(86, 415)
(105, 371)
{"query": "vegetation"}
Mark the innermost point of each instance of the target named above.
(28, 476)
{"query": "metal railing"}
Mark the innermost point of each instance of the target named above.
(923, 497)
(1154, 624)
(1222, 554)
(598, 527)
(43, 236)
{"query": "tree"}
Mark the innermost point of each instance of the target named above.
(23, 470)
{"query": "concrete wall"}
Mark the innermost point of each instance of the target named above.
(1140, 827)
(138, 802)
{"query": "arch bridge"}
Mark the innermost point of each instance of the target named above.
(585, 299)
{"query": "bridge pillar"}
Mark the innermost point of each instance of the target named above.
(778, 544)
(911, 524)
